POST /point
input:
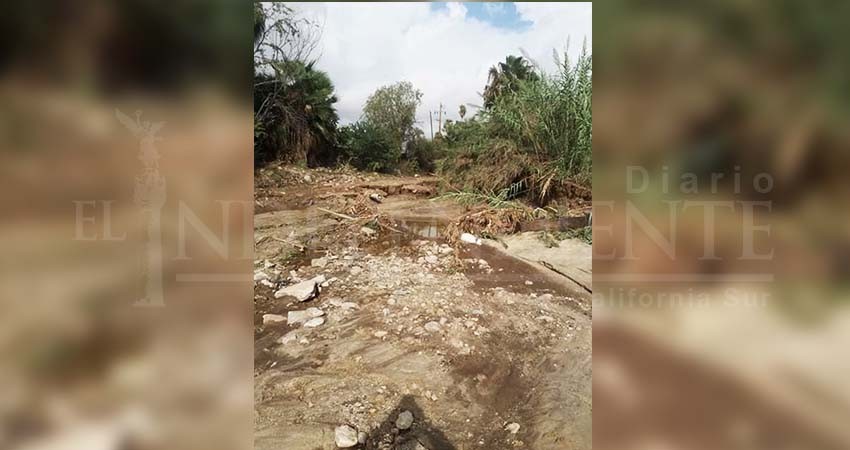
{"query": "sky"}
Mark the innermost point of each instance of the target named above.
(444, 49)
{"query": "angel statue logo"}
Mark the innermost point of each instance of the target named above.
(149, 194)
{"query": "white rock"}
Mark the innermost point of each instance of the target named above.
(292, 336)
(376, 198)
(294, 317)
(432, 327)
(319, 262)
(529, 282)
(315, 322)
(404, 420)
(345, 436)
(432, 259)
(361, 437)
(302, 291)
(260, 276)
(367, 231)
(512, 427)
(356, 270)
(348, 305)
(380, 334)
(470, 239)
(273, 318)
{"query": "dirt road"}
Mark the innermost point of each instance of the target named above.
(486, 349)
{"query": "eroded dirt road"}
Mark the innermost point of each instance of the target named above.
(485, 349)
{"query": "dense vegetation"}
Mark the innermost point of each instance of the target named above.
(532, 138)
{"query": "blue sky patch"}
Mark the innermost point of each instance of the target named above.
(498, 14)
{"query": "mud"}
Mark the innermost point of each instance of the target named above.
(467, 338)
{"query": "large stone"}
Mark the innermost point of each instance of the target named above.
(404, 420)
(315, 322)
(512, 428)
(294, 317)
(302, 291)
(345, 436)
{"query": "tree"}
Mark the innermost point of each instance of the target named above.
(294, 114)
(505, 77)
(393, 109)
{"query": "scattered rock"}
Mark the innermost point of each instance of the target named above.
(273, 318)
(361, 437)
(529, 282)
(432, 259)
(470, 239)
(314, 322)
(376, 198)
(345, 436)
(512, 427)
(404, 420)
(367, 231)
(355, 270)
(302, 291)
(432, 327)
(293, 317)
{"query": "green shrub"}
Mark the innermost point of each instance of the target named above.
(368, 147)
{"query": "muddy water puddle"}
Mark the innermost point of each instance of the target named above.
(504, 271)
(423, 228)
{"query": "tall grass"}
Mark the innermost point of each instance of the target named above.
(538, 136)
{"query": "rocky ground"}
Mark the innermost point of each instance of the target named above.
(379, 334)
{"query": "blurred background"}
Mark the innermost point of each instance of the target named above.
(126, 162)
(737, 352)
(697, 349)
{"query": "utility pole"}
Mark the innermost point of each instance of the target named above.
(431, 117)
(440, 121)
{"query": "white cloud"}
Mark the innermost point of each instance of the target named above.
(443, 53)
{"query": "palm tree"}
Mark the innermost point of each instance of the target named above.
(505, 77)
(294, 113)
